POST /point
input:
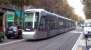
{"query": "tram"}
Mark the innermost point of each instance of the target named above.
(39, 24)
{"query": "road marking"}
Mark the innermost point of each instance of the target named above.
(89, 48)
(76, 31)
(77, 42)
(11, 42)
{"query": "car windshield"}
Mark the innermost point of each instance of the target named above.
(88, 25)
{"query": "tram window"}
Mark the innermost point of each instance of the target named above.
(28, 24)
(61, 23)
(28, 20)
(51, 22)
(28, 17)
(37, 13)
(37, 19)
(42, 22)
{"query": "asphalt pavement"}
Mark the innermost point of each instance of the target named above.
(64, 41)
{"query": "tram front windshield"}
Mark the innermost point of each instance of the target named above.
(31, 21)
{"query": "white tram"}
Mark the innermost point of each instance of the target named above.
(39, 24)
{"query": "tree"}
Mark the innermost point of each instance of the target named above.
(87, 9)
(60, 7)
(4, 1)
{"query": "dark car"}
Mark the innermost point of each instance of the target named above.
(14, 34)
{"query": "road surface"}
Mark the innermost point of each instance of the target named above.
(61, 42)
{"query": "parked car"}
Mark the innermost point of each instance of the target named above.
(10, 33)
(87, 28)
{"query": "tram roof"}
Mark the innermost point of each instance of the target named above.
(59, 16)
(34, 10)
(42, 10)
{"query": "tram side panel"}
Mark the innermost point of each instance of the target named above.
(42, 30)
(52, 25)
(61, 24)
(52, 20)
(47, 26)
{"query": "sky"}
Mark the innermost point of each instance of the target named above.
(78, 7)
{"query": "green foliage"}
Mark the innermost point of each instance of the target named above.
(58, 6)
(4, 1)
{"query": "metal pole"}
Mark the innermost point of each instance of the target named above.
(86, 41)
(86, 38)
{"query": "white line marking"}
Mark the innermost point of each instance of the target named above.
(12, 42)
(89, 48)
(77, 42)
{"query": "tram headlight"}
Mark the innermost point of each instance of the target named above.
(29, 33)
(27, 29)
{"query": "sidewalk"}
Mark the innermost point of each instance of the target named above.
(84, 42)
(81, 42)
